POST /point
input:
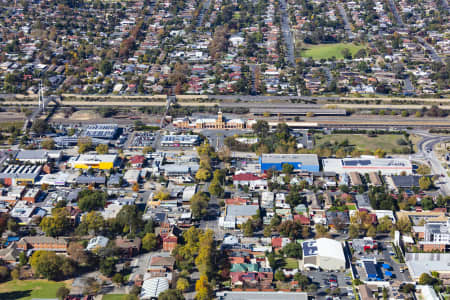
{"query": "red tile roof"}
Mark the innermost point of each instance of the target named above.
(245, 177)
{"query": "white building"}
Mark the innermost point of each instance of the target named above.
(323, 253)
(367, 164)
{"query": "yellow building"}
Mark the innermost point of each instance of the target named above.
(86, 161)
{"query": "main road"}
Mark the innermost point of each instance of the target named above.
(426, 151)
(287, 35)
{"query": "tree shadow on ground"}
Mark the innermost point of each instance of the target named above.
(15, 295)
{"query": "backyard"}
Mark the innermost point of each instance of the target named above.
(326, 51)
(29, 289)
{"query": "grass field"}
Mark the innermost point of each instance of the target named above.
(329, 50)
(387, 142)
(291, 263)
(113, 297)
(29, 289)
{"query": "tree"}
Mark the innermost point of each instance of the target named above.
(384, 224)
(118, 279)
(380, 153)
(403, 225)
(302, 280)
(182, 284)
(287, 169)
(105, 67)
(102, 149)
(48, 144)
(203, 261)
(15, 274)
(84, 145)
(149, 242)
(50, 265)
(147, 149)
(371, 232)
(23, 260)
(129, 218)
(261, 128)
(203, 289)
(199, 205)
(426, 279)
(62, 293)
(248, 228)
(40, 126)
(215, 188)
(425, 183)
(321, 231)
(4, 273)
(135, 187)
(92, 200)
(203, 174)
(293, 250)
(353, 231)
(423, 170)
(171, 294)
(12, 225)
(279, 275)
(77, 252)
(267, 231)
(92, 222)
(108, 265)
(56, 224)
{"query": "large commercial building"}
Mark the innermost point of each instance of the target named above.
(19, 174)
(180, 140)
(419, 263)
(323, 253)
(300, 162)
(86, 161)
(386, 166)
(101, 131)
(210, 123)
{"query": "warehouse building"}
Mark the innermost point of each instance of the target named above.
(419, 263)
(323, 253)
(180, 140)
(19, 174)
(300, 162)
(86, 161)
(386, 166)
(38, 156)
(101, 131)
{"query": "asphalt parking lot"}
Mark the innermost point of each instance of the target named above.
(320, 278)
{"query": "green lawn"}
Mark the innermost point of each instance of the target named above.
(387, 142)
(329, 50)
(28, 289)
(113, 297)
(291, 263)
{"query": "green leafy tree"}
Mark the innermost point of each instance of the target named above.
(425, 183)
(216, 189)
(149, 242)
(56, 224)
(48, 144)
(261, 128)
(171, 294)
(40, 126)
(248, 228)
(279, 275)
(199, 205)
(287, 168)
(182, 284)
(92, 200)
(62, 293)
(203, 174)
(293, 250)
(102, 149)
